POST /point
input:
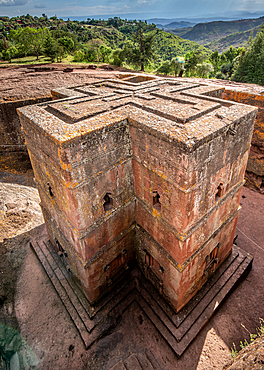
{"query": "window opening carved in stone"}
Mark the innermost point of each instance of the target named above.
(108, 202)
(50, 190)
(61, 250)
(156, 201)
(151, 262)
(220, 192)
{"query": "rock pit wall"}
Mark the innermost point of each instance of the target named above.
(12, 143)
(21, 86)
(255, 166)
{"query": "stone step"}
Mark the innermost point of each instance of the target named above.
(177, 329)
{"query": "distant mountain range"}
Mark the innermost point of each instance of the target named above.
(165, 22)
(214, 31)
(236, 40)
(220, 35)
(175, 25)
(231, 16)
(207, 32)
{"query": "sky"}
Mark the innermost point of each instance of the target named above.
(141, 9)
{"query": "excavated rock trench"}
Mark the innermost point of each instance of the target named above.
(36, 331)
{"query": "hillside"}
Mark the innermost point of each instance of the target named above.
(169, 46)
(114, 33)
(204, 33)
(236, 40)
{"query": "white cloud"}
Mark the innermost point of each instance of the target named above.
(13, 2)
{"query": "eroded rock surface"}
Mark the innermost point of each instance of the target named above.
(19, 210)
(250, 357)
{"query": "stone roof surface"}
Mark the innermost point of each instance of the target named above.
(181, 111)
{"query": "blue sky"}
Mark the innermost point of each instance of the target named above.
(143, 9)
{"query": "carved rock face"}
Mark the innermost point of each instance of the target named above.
(146, 171)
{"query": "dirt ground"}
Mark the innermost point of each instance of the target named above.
(35, 329)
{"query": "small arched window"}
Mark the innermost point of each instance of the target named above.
(156, 201)
(219, 192)
(108, 202)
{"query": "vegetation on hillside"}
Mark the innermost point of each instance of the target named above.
(237, 40)
(250, 64)
(129, 43)
(114, 40)
(203, 33)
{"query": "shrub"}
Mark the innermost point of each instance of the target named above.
(221, 76)
(164, 68)
(204, 69)
(79, 56)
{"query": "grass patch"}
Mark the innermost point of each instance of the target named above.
(25, 60)
(28, 60)
(259, 330)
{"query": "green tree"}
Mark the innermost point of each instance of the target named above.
(90, 53)
(215, 59)
(105, 53)
(93, 47)
(221, 76)
(22, 38)
(9, 53)
(191, 61)
(176, 66)
(79, 56)
(50, 47)
(227, 69)
(59, 33)
(118, 56)
(66, 43)
(37, 41)
(204, 69)
(164, 68)
(4, 45)
(250, 66)
(29, 40)
(231, 54)
(143, 52)
(60, 52)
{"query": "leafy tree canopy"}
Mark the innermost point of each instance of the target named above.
(250, 66)
(29, 40)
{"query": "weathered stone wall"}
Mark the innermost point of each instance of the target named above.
(150, 169)
(251, 357)
(252, 95)
(12, 147)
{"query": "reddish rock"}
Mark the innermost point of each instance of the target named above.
(148, 170)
